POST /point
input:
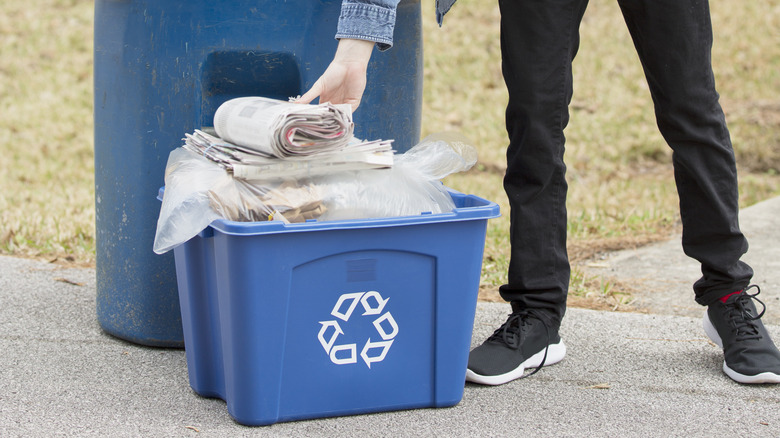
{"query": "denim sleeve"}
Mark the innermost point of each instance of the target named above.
(371, 20)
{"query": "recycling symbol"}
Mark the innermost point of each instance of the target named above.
(372, 350)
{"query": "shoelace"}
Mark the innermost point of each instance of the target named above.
(511, 333)
(741, 316)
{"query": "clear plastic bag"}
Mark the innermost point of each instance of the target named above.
(198, 191)
(186, 208)
(410, 187)
(439, 155)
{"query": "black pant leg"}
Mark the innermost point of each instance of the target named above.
(674, 39)
(539, 39)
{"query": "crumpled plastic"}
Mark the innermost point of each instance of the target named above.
(198, 191)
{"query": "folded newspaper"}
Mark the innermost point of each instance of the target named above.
(246, 163)
(259, 138)
(277, 128)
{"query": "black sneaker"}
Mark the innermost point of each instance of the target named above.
(750, 354)
(526, 340)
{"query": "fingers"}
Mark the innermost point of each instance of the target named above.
(344, 81)
(313, 93)
(336, 87)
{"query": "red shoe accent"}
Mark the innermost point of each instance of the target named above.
(724, 299)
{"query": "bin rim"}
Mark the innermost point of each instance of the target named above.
(468, 208)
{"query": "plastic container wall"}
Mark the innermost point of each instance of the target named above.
(293, 321)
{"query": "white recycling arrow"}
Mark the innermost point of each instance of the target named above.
(352, 358)
(381, 330)
(384, 345)
(379, 302)
(385, 325)
(327, 345)
(336, 309)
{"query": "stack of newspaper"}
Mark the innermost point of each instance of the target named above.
(247, 163)
(284, 129)
(258, 138)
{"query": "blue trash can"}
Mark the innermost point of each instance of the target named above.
(161, 69)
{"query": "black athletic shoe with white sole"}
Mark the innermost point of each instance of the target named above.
(526, 340)
(736, 327)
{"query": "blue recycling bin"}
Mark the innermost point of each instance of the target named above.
(161, 69)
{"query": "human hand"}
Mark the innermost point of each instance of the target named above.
(345, 78)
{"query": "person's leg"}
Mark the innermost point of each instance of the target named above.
(673, 39)
(539, 39)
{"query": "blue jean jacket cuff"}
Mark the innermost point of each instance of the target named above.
(367, 22)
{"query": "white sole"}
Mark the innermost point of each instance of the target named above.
(766, 377)
(712, 333)
(555, 353)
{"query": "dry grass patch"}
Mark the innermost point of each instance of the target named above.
(46, 202)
